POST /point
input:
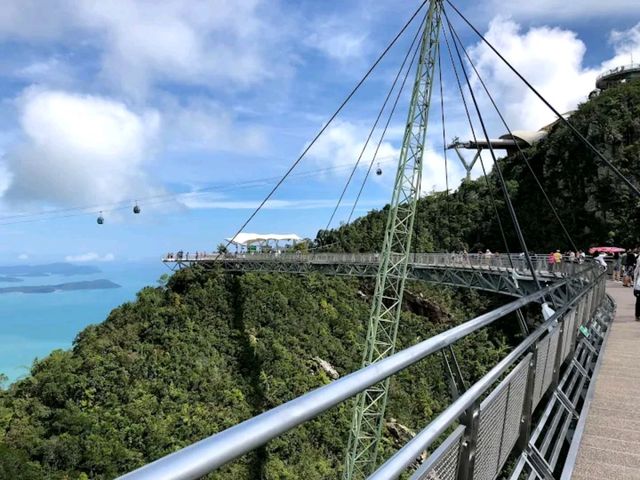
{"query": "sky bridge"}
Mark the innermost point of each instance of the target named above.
(529, 416)
(498, 273)
(179, 116)
(530, 408)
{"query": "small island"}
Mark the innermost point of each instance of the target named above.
(63, 287)
(10, 279)
(59, 268)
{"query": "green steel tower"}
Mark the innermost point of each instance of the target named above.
(368, 415)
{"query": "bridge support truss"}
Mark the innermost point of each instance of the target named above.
(370, 405)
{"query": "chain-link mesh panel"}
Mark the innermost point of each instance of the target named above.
(492, 414)
(551, 359)
(567, 335)
(579, 313)
(541, 363)
(443, 463)
(515, 404)
(500, 415)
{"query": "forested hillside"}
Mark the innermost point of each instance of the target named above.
(591, 201)
(206, 351)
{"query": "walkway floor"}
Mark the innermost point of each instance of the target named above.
(610, 446)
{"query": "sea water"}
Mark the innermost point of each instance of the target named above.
(34, 324)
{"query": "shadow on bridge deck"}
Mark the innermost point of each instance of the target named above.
(610, 446)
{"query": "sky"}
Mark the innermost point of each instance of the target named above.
(193, 109)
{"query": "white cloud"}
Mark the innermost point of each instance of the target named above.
(90, 257)
(206, 125)
(144, 42)
(17, 17)
(79, 149)
(433, 172)
(626, 45)
(213, 201)
(201, 42)
(23, 256)
(51, 71)
(337, 40)
(551, 59)
(342, 143)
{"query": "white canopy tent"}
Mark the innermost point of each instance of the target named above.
(248, 239)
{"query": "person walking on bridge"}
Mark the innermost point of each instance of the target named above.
(630, 265)
(557, 259)
(617, 265)
(636, 289)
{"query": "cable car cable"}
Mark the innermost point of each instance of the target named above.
(444, 151)
(30, 217)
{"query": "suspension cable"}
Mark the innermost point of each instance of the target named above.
(79, 211)
(473, 133)
(520, 151)
(328, 123)
(383, 134)
(584, 140)
(503, 185)
(375, 124)
(444, 151)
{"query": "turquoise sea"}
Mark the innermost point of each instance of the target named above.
(32, 325)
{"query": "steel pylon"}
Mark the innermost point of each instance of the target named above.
(369, 408)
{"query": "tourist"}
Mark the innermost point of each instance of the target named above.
(636, 289)
(630, 265)
(487, 257)
(616, 267)
(601, 261)
(572, 256)
(557, 259)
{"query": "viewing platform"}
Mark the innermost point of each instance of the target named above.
(623, 73)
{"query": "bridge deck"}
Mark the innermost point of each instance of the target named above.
(610, 446)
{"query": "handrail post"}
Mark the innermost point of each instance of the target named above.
(467, 461)
(562, 324)
(527, 407)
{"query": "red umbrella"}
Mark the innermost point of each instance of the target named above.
(592, 250)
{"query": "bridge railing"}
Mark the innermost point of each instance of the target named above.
(502, 262)
(492, 417)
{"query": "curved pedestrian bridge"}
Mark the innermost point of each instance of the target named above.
(523, 419)
(499, 273)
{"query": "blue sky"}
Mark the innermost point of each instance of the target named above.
(193, 107)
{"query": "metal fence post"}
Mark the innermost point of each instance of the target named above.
(527, 408)
(467, 460)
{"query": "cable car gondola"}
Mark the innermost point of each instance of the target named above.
(378, 170)
(100, 219)
(136, 208)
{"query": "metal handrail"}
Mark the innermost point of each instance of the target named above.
(514, 262)
(620, 69)
(206, 455)
(404, 457)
